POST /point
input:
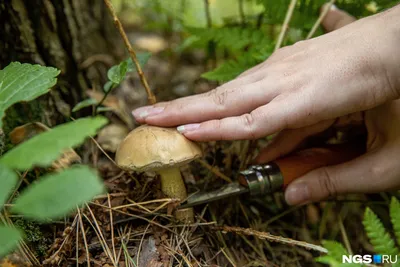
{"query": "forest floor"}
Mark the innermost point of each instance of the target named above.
(129, 227)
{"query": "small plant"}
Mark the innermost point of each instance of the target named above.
(116, 74)
(380, 239)
(55, 194)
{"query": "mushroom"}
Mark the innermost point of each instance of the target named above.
(163, 150)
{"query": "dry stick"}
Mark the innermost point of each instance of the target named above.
(285, 25)
(208, 15)
(74, 223)
(344, 235)
(102, 241)
(320, 18)
(112, 227)
(214, 170)
(150, 95)
(141, 243)
(100, 234)
(77, 245)
(270, 237)
(84, 236)
(241, 12)
(133, 215)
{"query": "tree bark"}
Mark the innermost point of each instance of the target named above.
(75, 36)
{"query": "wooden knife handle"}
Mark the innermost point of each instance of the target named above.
(301, 162)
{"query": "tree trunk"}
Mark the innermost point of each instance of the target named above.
(73, 35)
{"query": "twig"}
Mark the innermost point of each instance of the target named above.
(320, 18)
(84, 236)
(66, 236)
(100, 235)
(241, 12)
(270, 237)
(215, 170)
(344, 235)
(112, 227)
(285, 25)
(150, 95)
(208, 15)
(141, 243)
(211, 45)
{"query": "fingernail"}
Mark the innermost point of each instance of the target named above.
(188, 127)
(147, 111)
(297, 194)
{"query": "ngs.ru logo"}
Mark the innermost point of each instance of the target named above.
(376, 259)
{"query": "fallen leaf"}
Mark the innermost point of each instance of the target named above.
(111, 136)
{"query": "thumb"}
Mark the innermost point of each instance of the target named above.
(365, 174)
(336, 18)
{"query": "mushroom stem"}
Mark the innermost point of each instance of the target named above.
(173, 186)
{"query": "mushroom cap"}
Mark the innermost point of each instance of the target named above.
(151, 148)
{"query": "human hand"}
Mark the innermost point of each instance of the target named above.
(376, 171)
(351, 69)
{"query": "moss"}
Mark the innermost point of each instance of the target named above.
(34, 236)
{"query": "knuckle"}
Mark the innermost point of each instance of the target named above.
(327, 182)
(249, 125)
(219, 97)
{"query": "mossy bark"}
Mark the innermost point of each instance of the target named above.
(76, 36)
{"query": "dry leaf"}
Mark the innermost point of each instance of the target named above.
(111, 136)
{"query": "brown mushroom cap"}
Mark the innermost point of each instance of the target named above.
(151, 148)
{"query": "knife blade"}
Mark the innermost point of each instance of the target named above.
(276, 175)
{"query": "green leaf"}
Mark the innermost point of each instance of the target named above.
(117, 73)
(108, 86)
(8, 180)
(9, 238)
(334, 256)
(43, 149)
(395, 217)
(142, 59)
(57, 194)
(24, 82)
(85, 103)
(380, 239)
(233, 38)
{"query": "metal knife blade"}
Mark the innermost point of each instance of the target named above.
(229, 190)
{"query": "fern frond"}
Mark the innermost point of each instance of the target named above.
(234, 38)
(380, 239)
(334, 256)
(230, 69)
(395, 217)
(305, 14)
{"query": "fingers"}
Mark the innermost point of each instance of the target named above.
(253, 125)
(288, 140)
(234, 98)
(336, 18)
(372, 172)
